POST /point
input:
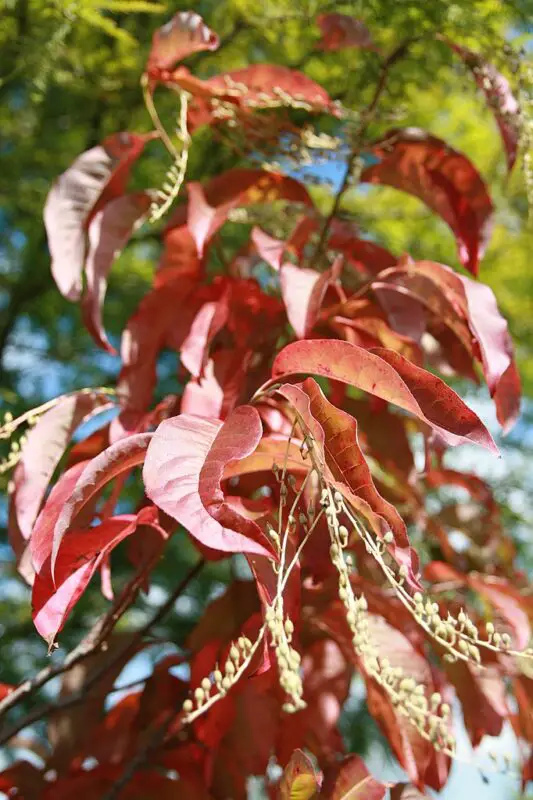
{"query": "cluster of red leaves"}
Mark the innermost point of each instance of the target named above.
(371, 325)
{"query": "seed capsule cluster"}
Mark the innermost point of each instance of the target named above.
(175, 176)
(288, 659)
(428, 715)
(238, 659)
(459, 635)
(8, 427)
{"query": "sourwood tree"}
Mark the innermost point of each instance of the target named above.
(305, 440)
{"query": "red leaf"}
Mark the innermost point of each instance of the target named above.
(404, 791)
(458, 300)
(209, 320)
(300, 780)
(109, 232)
(76, 488)
(507, 398)
(366, 257)
(185, 463)
(209, 205)
(391, 377)
(423, 165)
(25, 778)
(218, 390)
(508, 603)
(270, 249)
(341, 30)
(303, 291)
(500, 98)
(147, 333)
(246, 748)
(96, 177)
(482, 696)
(351, 780)
(184, 34)
(55, 596)
(252, 88)
(45, 444)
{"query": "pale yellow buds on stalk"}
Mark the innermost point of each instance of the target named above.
(288, 659)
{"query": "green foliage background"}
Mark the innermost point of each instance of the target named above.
(70, 76)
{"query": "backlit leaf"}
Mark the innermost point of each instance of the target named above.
(109, 232)
(388, 375)
(96, 177)
(184, 34)
(183, 469)
(423, 165)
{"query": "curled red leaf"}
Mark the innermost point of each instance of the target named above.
(388, 375)
(182, 474)
(416, 162)
(184, 34)
(109, 232)
(500, 98)
(96, 177)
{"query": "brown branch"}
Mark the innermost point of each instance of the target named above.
(47, 708)
(95, 639)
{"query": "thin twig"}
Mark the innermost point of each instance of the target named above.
(366, 118)
(95, 640)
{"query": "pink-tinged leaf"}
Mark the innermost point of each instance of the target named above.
(303, 291)
(270, 249)
(77, 195)
(217, 391)
(460, 301)
(109, 232)
(269, 451)
(507, 398)
(186, 459)
(45, 444)
(387, 375)
(500, 98)
(445, 180)
(76, 488)
(42, 534)
(341, 30)
(54, 597)
(492, 334)
(210, 319)
(184, 34)
(346, 460)
(300, 779)
(161, 312)
(490, 330)
(203, 220)
(351, 780)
